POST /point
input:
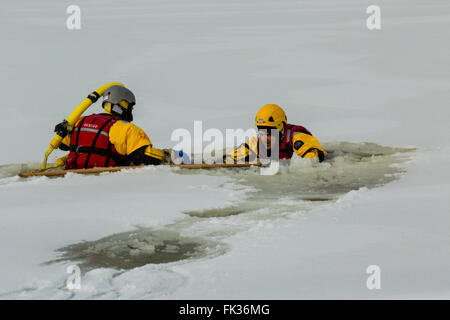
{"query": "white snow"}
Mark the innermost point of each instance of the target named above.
(219, 61)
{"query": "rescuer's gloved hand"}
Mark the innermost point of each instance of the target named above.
(307, 146)
(246, 152)
(167, 156)
(62, 129)
(61, 162)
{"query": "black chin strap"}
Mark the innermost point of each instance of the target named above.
(125, 114)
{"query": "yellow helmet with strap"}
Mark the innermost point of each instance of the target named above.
(271, 115)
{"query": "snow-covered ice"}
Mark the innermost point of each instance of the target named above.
(309, 232)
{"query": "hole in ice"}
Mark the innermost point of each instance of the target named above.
(349, 166)
(136, 248)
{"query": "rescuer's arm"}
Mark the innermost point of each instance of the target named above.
(147, 155)
(307, 146)
(131, 141)
(246, 152)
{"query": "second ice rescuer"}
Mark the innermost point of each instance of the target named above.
(294, 140)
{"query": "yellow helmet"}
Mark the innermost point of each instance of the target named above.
(271, 115)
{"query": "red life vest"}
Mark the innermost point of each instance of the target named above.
(90, 146)
(286, 146)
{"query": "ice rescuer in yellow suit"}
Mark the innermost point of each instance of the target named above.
(293, 139)
(110, 139)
